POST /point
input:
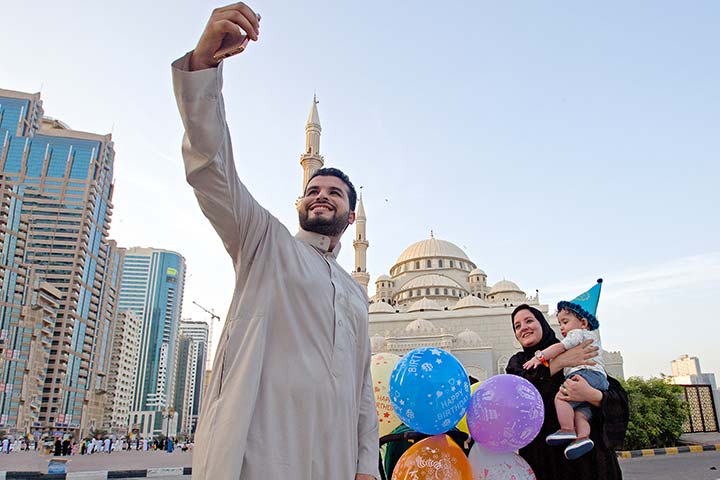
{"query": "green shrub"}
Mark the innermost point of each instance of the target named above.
(657, 412)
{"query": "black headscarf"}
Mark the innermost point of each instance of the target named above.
(548, 334)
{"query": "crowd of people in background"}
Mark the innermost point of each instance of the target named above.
(61, 446)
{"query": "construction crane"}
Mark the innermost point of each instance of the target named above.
(213, 316)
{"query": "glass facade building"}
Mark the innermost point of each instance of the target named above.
(152, 288)
(58, 184)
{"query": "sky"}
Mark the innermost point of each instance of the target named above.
(555, 142)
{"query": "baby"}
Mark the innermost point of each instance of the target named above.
(577, 324)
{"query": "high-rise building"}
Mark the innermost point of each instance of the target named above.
(123, 373)
(192, 350)
(57, 184)
(152, 288)
(38, 319)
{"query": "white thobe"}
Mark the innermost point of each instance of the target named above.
(291, 393)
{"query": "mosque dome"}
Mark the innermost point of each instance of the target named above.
(424, 304)
(432, 247)
(383, 278)
(468, 338)
(420, 326)
(430, 280)
(478, 271)
(504, 286)
(381, 307)
(470, 301)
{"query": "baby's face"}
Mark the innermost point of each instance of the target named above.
(569, 321)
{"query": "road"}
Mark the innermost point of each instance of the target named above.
(696, 466)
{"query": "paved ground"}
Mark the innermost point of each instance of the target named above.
(697, 466)
(711, 438)
(32, 461)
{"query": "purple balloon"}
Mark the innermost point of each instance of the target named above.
(506, 412)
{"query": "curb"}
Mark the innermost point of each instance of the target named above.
(651, 452)
(98, 475)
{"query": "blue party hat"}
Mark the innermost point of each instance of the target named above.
(585, 305)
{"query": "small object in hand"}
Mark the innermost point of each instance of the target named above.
(235, 49)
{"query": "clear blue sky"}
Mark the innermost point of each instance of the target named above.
(555, 141)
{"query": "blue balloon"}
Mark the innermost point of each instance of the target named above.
(429, 390)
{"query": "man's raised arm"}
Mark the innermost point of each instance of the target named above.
(207, 150)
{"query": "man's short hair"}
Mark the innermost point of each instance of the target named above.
(336, 172)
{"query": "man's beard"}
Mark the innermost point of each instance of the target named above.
(329, 227)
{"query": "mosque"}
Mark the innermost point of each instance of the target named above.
(435, 295)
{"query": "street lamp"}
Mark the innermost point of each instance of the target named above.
(170, 413)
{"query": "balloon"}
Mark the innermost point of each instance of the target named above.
(505, 413)
(433, 458)
(381, 367)
(429, 390)
(462, 424)
(488, 465)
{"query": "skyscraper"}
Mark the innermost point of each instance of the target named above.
(123, 373)
(192, 351)
(152, 288)
(58, 186)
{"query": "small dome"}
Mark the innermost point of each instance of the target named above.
(383, 278)
(505, 286)
(431, 280)
(470, 301)
(468, 338)
(420, 325)
(424, 304)
(377, 342)
(478, 271)
(381, 307)
(432, 247)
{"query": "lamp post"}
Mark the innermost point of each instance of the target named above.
(170, 414)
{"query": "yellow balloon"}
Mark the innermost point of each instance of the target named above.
(462, 424)
(433, 458)
(381, 367)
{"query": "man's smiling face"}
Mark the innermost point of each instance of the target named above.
(325, 207)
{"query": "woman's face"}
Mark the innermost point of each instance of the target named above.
(528, 330)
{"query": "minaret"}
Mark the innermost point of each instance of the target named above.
(311, 160)
(361, 244)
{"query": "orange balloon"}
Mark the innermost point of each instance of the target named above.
(434, 458)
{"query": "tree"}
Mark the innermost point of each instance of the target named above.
(657, 412)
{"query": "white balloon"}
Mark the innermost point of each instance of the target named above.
(489, 465)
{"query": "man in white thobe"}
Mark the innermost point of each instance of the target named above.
(291, 394)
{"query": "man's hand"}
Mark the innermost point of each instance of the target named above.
(362, 476)
(227, 27)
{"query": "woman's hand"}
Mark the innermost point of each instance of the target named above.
(580, 355)
(577, 389)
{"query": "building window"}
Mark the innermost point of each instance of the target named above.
(453, 292)
(410, 293)
(446, 291)
(417, 265)
(437, 291)
(427, 291)
(440, 263)
(428, 264)
(452, 264)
